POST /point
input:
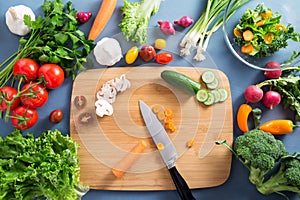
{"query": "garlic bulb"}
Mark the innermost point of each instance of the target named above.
(15, 19)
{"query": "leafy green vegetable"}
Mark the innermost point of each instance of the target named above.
(270, 36)
(43, 167)
(135, 19)
(209, 22)
(54, 38)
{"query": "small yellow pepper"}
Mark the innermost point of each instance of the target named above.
(278, 127)
(242, 117)
(132, 55)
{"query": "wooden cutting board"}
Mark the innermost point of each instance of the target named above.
(105, 141)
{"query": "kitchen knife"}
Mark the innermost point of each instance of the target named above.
(168, 152)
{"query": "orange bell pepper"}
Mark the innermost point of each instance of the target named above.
(242, 117)
(278, 127)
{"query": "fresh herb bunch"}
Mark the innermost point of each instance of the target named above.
(54, 38)
(269, 34)
(46, 167)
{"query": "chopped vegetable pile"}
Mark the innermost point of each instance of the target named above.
(43, 167)
(260, 32)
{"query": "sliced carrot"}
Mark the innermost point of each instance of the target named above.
(105, 12)
(280, 27)
(260, 23)
(160, 146)
(247, 49)
(169, 113)
(122, 166)
(237, 32)
(268, 38)
(248, 35)
(190, 143)
(266, 14)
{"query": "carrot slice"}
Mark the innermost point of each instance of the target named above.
(105, 12)
(248, 35)
(169, 113)
(237, 32)
(260, 23)
(266, 14)
(268, 38)
(122, 166)
(247, 48)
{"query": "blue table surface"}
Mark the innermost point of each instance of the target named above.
(237, 187)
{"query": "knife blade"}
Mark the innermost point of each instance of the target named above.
(168, 152)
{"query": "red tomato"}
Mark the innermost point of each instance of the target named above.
(164, 58)
(52, 74)
(34, 95)
(8, 93)
(147, 53)
(25, 68)
(24, 118)
(56, 116)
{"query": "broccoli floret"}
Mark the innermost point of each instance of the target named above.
(258, 151)
(135, 19)
(287, 178)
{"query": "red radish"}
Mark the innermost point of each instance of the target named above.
(184, 21)
(83, 17)
(274, 73)
(253, 94)
(166, 27)
(271, 99)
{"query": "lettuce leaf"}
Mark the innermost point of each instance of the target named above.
(42, 167)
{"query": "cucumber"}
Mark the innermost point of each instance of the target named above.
(210, 100)
(217, 95)
(208, 76)
(223, 94)
(202, 95)
(213, 85)
(181, 81)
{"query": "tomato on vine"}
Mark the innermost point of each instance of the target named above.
(34, 95)
(24, 118)
(25, 69)
(52, 75)
(8, 97)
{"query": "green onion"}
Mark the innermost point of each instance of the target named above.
(209, 22)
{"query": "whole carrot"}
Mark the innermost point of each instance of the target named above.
(105, 12)
(277, 127)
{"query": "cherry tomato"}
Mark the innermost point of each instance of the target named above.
(26, 69)
(8, 93)
(147, 53)
(56, 116)
(52, 74)
(24, 118)
(164, 58)
(34, 95)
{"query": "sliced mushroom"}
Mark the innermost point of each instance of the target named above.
(103, 108)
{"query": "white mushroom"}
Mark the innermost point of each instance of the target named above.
(15, 19)
(107, 93)
(103, 108)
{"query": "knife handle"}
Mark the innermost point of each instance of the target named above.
(181, 186)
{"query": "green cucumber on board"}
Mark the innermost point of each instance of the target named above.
(202, 95)
(181, 81)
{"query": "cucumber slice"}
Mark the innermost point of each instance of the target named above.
(217, 95)
(210, 100)
(213, 85)
(181, 81)
(223, 94)
(208, 77)
(202, 95)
